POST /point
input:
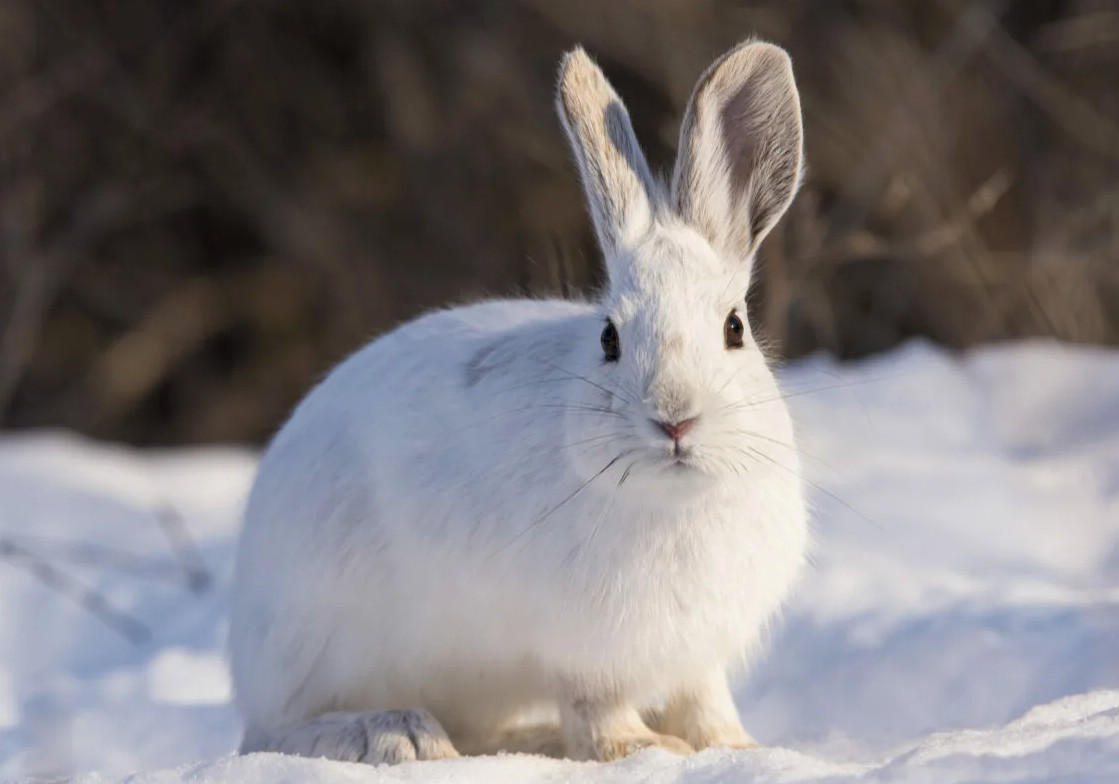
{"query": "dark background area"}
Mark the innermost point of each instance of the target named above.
(204, 205)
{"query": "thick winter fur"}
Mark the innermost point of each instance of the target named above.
(476, 517)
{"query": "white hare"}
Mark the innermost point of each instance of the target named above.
(583, 510)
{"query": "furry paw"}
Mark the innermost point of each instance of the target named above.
(388, 737)
(614, 748)
(699, 734)
(405, 735)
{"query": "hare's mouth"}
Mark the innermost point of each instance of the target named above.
(683, 454)
(659, 462)
(659, 471)
(681, 459)
(684, 471)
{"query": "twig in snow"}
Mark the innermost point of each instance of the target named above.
(185, 548)
(93, 602)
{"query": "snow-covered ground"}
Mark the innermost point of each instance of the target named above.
(960, 622)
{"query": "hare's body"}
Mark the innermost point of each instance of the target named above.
(524, 505)
(400, 551)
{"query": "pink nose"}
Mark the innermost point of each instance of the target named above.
(678, 430)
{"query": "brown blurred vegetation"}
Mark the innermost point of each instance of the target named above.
(204, 205)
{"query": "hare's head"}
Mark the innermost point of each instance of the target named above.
(680, 383)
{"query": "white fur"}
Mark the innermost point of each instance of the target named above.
(443, 523)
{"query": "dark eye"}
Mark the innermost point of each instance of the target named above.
(733, 331)
(610, 348)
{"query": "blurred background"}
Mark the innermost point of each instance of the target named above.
(205, 205)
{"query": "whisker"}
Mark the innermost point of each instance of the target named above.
(598, 523)
(590, 440)
(818, 487)
(854, 393)
(575, 408)
(794, 448)
(577, 376)
(599, 518)
(625, 474)
(568, 498)
(786, 395)
(536, 383)
(726, 384)
(547, 380)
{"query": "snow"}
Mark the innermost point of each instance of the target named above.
(960, 621)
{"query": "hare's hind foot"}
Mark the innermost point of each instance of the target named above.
(542, 739)
(373, 737)
(703, 714)
(604, 743)
(717, 736)
(612, 748)
(609, 729)
(548, 740)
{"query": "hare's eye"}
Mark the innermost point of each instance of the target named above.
(610, 348)
(733, 331)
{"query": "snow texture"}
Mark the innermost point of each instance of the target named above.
(960, 621)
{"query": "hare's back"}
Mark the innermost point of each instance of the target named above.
(458, 328)
(438, 367)
(445, 353)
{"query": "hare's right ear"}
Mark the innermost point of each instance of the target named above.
(739, 162)
(620, 190)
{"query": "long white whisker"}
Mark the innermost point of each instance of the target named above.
(568, 498)
(591, 440)
(739, 404)
(794, 448)
(577, 376)
(818, 487)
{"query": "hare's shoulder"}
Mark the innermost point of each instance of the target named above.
(465, 344)
(444, 339)
(495, 318)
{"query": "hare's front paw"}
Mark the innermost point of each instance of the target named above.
(381, 737)
(405, 735)
(612, 748)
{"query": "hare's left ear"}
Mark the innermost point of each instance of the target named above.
(620, 191)
(740, 155)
